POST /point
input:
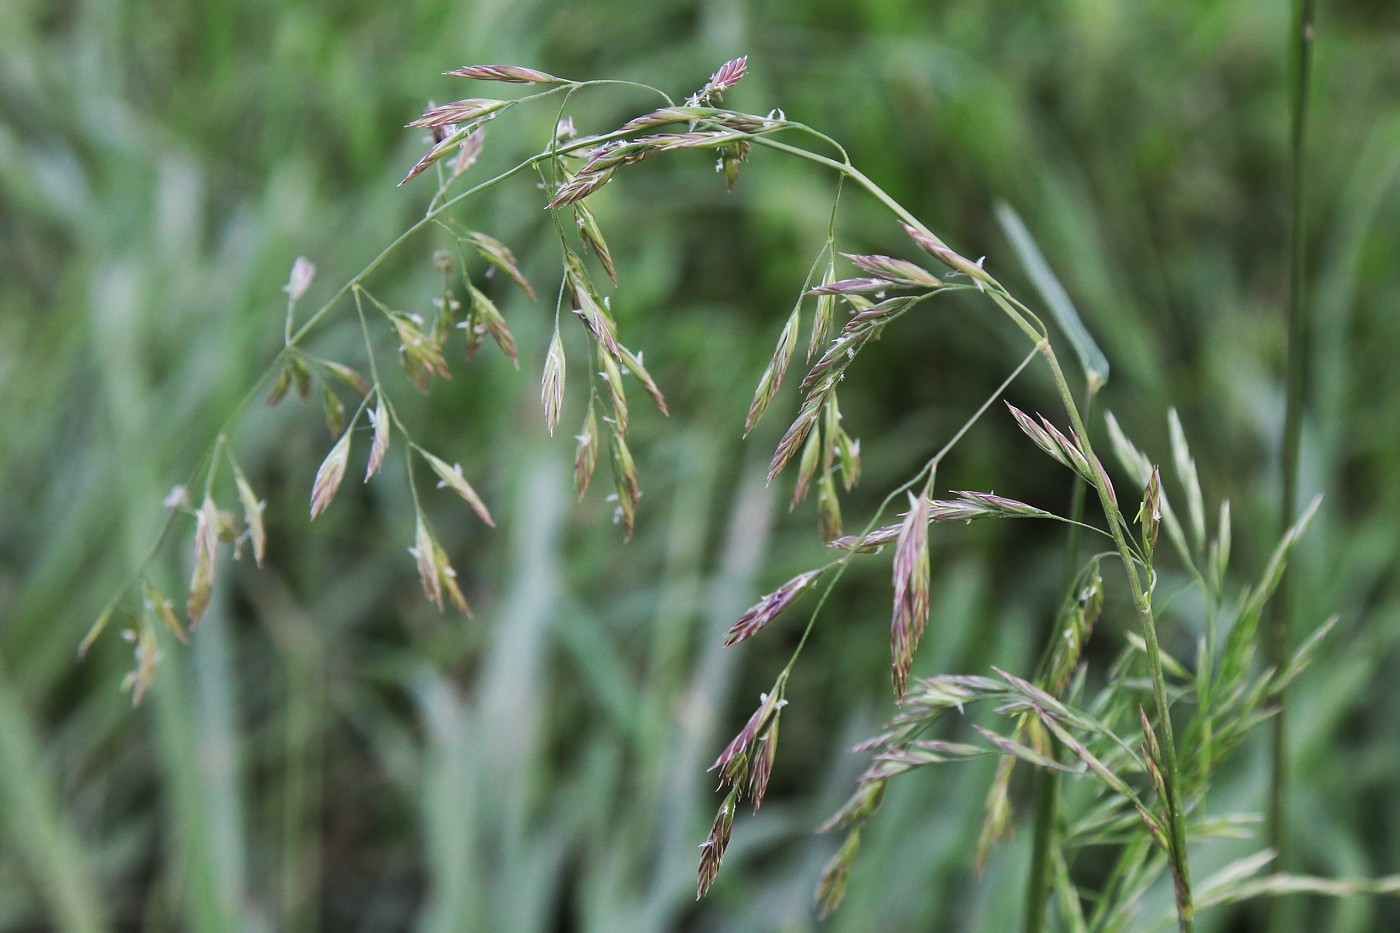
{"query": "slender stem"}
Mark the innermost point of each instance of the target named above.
(1280, 633)
(1048, 800)
(1142, 601)
(1042, 865)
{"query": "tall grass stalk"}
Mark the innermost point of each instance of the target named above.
(1280, 634)
(1045, 854)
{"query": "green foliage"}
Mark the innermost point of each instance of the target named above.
(330, 750)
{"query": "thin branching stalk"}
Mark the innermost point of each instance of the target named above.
(295, 336)
(438, 576)
(1029, 324)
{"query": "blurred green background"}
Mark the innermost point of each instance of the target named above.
(331, 753)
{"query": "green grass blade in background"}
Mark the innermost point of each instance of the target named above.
(1091, 359)
(48, 846)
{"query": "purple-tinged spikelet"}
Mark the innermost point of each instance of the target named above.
(911, 590)
(509, 74)
(769, 607)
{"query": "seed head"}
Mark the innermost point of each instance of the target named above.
(459, 111)
(896, 271)
(911, 589)
(586, 453)
(712, 849)
(252, 515)
(206, 543)
(510, 74)
(496, 253)
(302, 274)
(757, 617)
(487, 315)
(329, 475)
(633, 362)
(772, 377)
(450, 477)
(552, 385)
(379, 418)
(624, 472)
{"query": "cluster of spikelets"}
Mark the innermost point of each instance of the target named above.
(883, 289)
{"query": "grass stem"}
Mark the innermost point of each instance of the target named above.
(1280, 632)
(1042, 869)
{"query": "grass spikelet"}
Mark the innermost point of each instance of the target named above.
(940, 251)
(969, 506)
(795, 436)
(489, 317)
(772, 377)
(857, 286)
(848, 457)
(329, 475)
(252, 513)
(728, 75)
(768, 705)
(821, 317)
(1080, 615)
(435, 571)
(294, 374)
(828, 508)
(379, 446)
(303, 273)
(712, 849)
(206, 543)
(1068, 452)
(633, 362)
(996, 807)
(910, 570)
(586, 453)
(591, 311)
(510, 74)
(892, 271)
(147, 651)
(730, 158)
(498, 255)
(764, 754)
(346, 376)
(592, 236)
(1149, 515)
(757, 617)
(579, 187)
(159, 605)
(832, 888)
(1190, 480)
(433, 155)
(552, 384)
(451, 477)
(468, 152)
(629, 493)
(459, 111)
(617, 394)
(334, 410)
(424, 551)
(422, 357)
(806, 468)
(870, 543)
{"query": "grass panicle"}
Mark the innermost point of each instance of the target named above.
(1109, 743)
